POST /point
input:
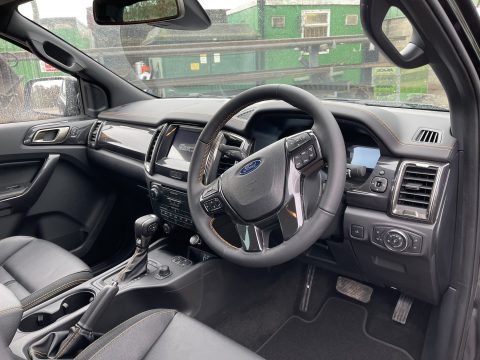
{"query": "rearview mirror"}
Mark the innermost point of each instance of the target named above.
(124, 12)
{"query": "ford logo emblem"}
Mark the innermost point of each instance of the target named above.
(250, 167)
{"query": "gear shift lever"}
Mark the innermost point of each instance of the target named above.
(63, 344)
(145, 228)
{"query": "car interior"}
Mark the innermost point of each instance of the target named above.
(269, 222)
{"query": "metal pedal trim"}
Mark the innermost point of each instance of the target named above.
(354, 289)
(402, 309)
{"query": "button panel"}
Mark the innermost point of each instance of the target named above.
(296, 141)
(357, 232)
(379, 184)
(181, 261)
(171, 205)
(213, 205)
(397, 240)
(304, 157)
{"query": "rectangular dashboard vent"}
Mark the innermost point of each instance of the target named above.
(152, 146)
(94, 132)
(428, 136)
(417, 186)
(415, 195)
(149, 156)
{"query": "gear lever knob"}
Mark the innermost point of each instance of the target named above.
(145, 227)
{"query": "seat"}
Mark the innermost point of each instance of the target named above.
(36, 270)
(166, 335)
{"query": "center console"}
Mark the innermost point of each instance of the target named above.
(171, 281)
(167, 163)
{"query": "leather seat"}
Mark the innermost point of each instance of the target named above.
(36, 270)
(166, 335)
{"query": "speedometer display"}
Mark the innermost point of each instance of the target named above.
(363, 156)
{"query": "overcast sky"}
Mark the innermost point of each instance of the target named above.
(77, 8)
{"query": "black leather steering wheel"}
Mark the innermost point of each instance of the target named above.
(266, 188)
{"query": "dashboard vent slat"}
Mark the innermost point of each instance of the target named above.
(150, 155)
(415, 191)
(151, 147)
(428, 136)
(94, 133)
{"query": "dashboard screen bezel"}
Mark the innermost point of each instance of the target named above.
(172, 168)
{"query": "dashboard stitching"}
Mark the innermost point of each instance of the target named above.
(215, 134)
(383, 124)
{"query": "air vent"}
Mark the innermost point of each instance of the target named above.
(416, 190)
(428, 136)
(94, 132)
(151, 149)
(417, 186)
(152, 146)
(226, 162)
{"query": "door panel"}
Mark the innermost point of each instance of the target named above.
(17, 173)
(50, 191)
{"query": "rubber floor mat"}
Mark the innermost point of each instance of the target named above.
(337, 333)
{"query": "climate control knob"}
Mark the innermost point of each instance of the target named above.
(395, 240)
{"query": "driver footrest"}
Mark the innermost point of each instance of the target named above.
(353, 289)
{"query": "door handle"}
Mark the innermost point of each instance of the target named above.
(51, 136)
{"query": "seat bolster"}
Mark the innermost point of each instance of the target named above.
(36, 270)
(11, 245)
(165, 335)
(131, 339)
(187, 338)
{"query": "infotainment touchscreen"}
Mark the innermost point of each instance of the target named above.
(183, 144)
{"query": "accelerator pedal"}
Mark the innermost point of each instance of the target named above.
(353, 289)
(402, 309)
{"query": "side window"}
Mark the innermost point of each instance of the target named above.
(31, 89)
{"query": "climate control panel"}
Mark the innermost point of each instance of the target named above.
(171, 205)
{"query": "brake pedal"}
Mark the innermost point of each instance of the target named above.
(402, 309)
(353, 289)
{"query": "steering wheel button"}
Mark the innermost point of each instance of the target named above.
(213, 205)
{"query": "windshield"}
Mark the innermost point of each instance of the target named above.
(317, 45)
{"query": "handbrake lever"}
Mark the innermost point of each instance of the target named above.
(97, 306)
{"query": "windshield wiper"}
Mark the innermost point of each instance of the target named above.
(403, 105)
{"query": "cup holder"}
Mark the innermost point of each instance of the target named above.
(68, 305)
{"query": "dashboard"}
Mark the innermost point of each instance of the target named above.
(395, 226)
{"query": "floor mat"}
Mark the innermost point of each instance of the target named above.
(337, 333)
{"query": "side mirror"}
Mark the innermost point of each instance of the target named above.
(54, 96)
(124, 12)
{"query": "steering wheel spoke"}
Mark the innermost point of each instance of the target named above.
(291, 216)
(253, 238)
(303, 157)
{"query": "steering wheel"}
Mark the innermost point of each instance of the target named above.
(266, 189)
